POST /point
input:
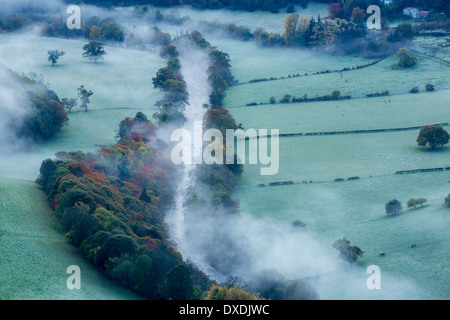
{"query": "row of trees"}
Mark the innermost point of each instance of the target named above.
(394, 207)
(93, 51)
(112, 202)
(83, 94)
(170, 81)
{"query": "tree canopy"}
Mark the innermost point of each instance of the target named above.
(54, 55)
(433, 135)
(94, 51)
(393, 207)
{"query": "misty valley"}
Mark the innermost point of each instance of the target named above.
(224, 150)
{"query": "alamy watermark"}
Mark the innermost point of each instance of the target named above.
(208, 147)
(74, 21)
(374, 21)
(74, 280)
(374, 280)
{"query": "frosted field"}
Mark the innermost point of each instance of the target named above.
(122, 86)
(35, 253)
(399, 111)
(357, 83)
(355, 209)
(269, 21)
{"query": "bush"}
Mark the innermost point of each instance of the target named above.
(415, 202)
(429, 87)
(393, 207)
(286, 98)
(414, 90)
(405, 59)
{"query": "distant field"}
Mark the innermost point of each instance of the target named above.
(271, 22)
(35, 254)
(34, 251)
(353, 209)
(356, 83)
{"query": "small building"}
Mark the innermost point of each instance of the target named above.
(423, 14)
(411, 12)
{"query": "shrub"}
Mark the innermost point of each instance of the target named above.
(415, 202)
(393, 207)
(429, 87)
(414, 90)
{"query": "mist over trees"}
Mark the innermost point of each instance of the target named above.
(54, 55)
(346, 251)
(84, 96)
(94, 51)
(38, 112)
(111, 204)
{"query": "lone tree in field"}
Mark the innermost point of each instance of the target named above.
(54, 55)
(94, 51)
(416, 202)
(393, 207)
(447, 200)
(432, 135)
(346, 251)
(84, 95)
(69, 103)
(405, 59)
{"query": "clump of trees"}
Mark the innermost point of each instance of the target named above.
(346, 251)
(111, 204)
(416, 202)
(224, 293)
(170, 81)
(270, 284)
(433, 135)
(393, 207)
(405, 58)
(139, 124)
(46, 115)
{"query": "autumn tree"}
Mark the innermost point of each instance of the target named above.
(290, 27)
(416, 202)
(433, 135)
(358, 16)
(335, 10)
(94, 33)
(405, 58)
(347, 252)
(403, 32)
